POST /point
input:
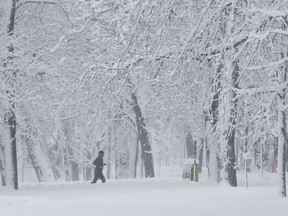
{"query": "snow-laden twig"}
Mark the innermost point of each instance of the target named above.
(82, 28)
(57, 45)
(267, 33)
(271, 64)
(271, 13)
(36, 2)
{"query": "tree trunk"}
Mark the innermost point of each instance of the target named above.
(144, 139)
(201, 151)
(282, 139)
(32, 157)
(72, 167)
(2, 165)
(88, 169)
(109, 146)
(35, 153)
(136, 157)
(281, 152)
(10, 117)
(231, 170)
(214, 145)
(10, 150)
(190, 146)
(122, 155)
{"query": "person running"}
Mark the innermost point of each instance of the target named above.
(98, 162)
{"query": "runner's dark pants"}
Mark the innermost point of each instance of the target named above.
(98, 175)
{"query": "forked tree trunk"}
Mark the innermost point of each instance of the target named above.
(144, 138)
(32, 157)
(35, 154)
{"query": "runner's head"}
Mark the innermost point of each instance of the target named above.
(101, 153)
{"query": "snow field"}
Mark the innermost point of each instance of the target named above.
(141, 197)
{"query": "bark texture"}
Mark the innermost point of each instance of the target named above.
(10, 117)
(231, 157)
(144, 138)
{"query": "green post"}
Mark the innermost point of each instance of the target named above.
(196, 172)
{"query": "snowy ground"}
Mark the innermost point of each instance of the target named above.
(141, 197)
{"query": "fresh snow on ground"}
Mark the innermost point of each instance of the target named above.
(167, 196)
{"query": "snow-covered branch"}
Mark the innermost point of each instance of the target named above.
(271, 13)
(271, 64)
(36, 2)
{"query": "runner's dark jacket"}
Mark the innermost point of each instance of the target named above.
(98, 162)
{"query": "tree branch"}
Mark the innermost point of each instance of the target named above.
(36, 2)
